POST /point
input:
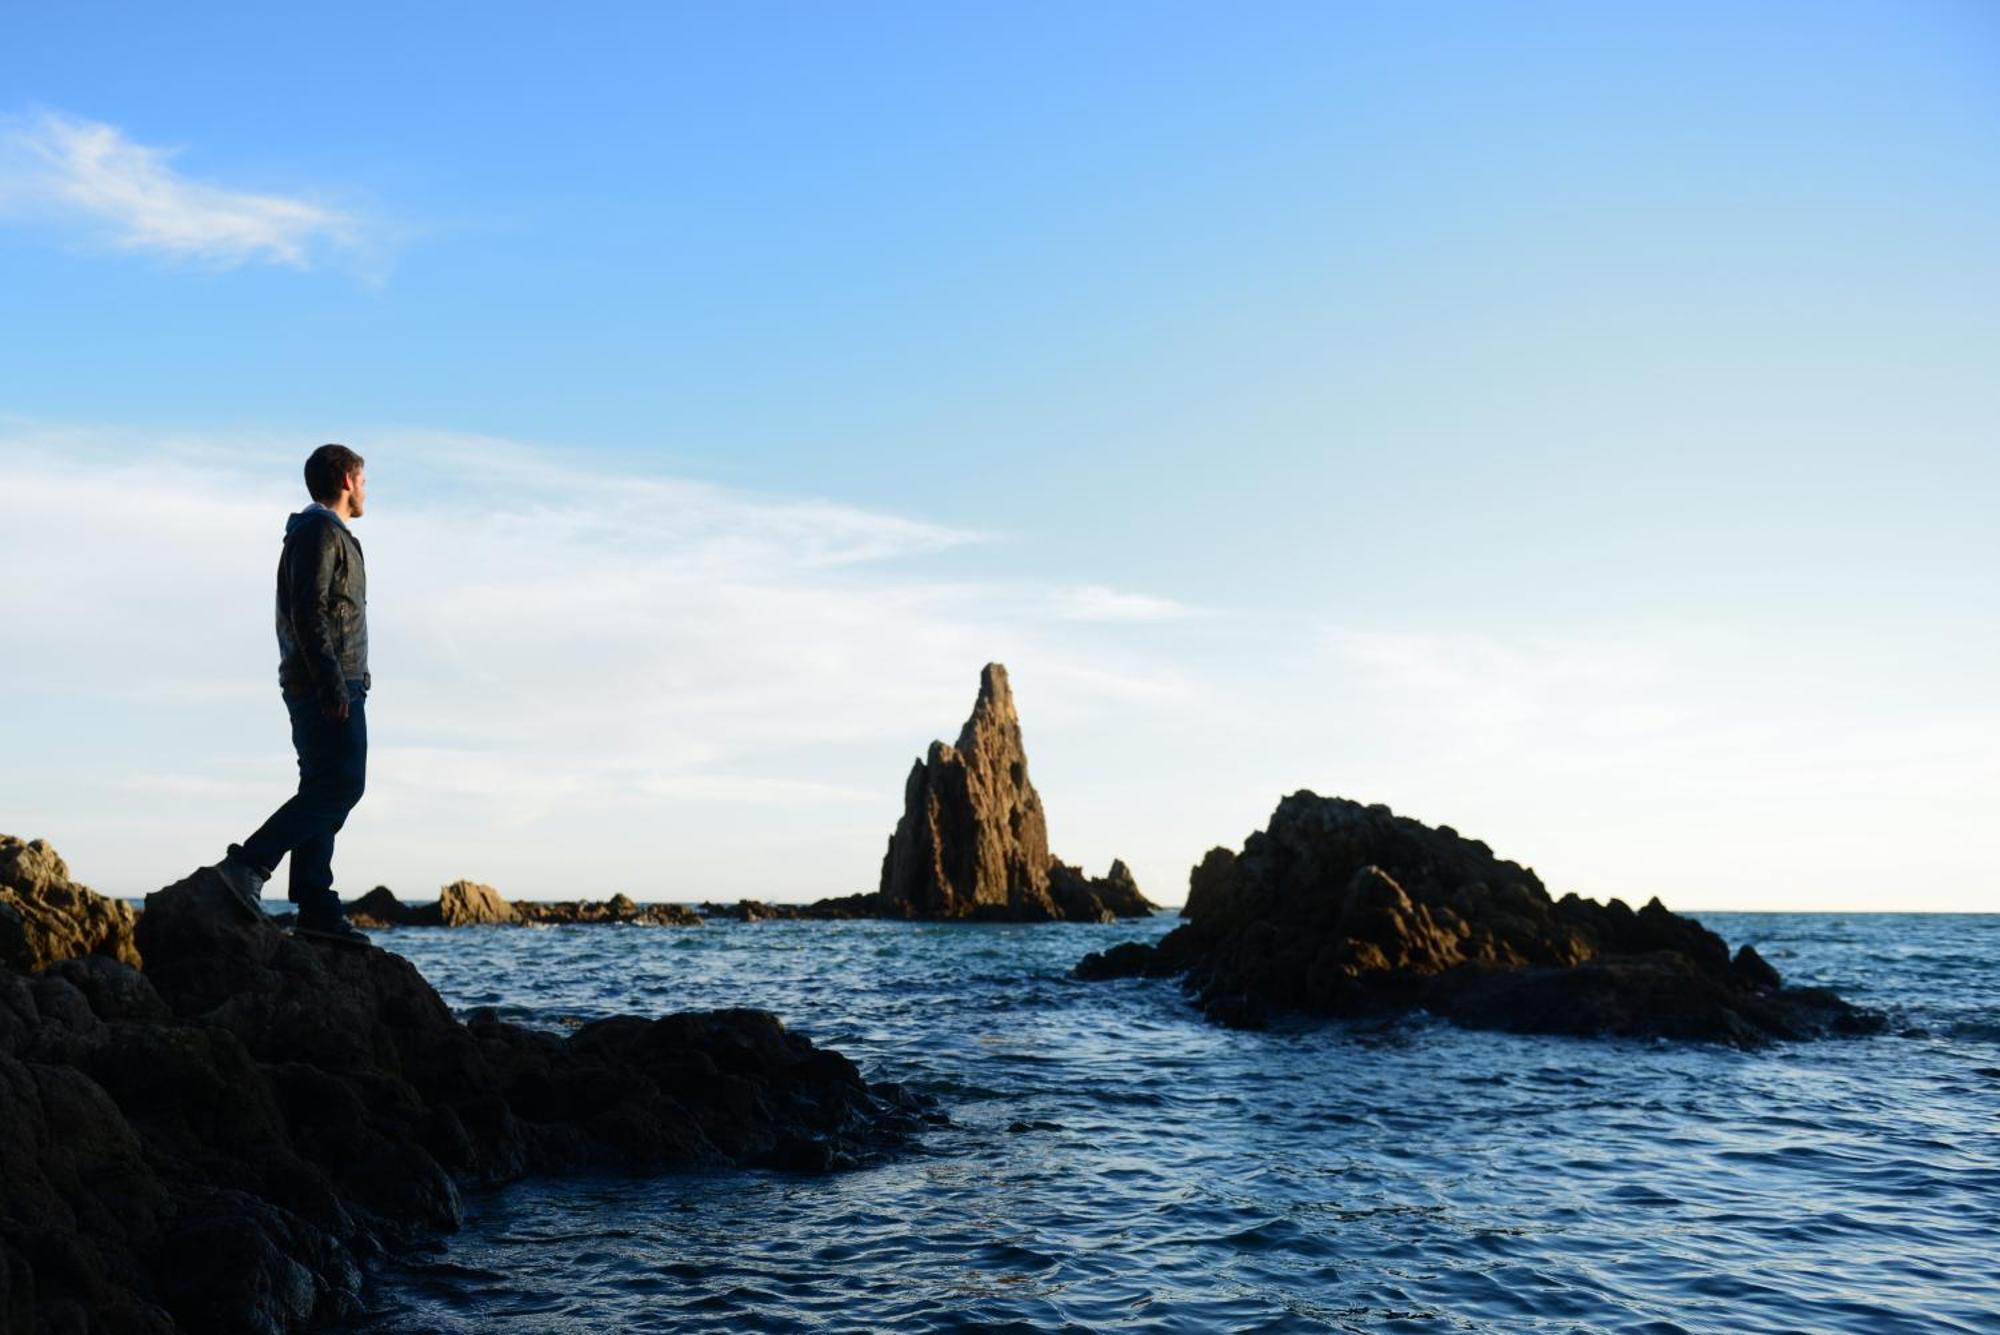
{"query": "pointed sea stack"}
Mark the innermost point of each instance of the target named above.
(1343, 909)
(973, 841)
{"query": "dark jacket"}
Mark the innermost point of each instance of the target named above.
(322, 607)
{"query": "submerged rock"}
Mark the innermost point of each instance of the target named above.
(220, 1143)
(973, 841)
(1343, 909)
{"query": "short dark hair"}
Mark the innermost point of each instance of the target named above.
(327, 470)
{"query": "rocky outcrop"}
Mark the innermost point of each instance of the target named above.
(973, 841)
(221, 1143)
(617, 909)
(468, 904)
(1107, 898)
(1343, 909)
(45, 916)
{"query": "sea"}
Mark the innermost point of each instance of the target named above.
(1114, 1162)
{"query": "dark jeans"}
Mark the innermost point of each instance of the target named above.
(333, 769)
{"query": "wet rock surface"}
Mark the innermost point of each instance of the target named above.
(973, 839)
(221, 1142)
(1343, 909)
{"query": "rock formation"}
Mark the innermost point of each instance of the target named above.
(220, 1143)
(1344, 909)
(469, 904)
(973, 842)
(45, 916)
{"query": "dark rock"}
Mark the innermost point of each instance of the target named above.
(973, 841)
(617, 909)
(221, 1143)
(1107, 898)
(1343, 909)
(380, 908)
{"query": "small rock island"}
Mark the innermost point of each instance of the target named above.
(1341, 909)
(973, 841)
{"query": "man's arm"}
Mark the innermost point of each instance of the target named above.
(310, 570)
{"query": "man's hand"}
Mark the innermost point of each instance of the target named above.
(335, 713)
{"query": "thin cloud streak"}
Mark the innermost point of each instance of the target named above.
(130, 196)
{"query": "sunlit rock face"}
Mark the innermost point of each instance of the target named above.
(1343, 909)
(973, 841)
(46, 917)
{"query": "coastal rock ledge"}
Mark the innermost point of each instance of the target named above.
(1341, 909)
(221, 1142)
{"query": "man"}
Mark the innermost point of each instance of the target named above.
(323, 672)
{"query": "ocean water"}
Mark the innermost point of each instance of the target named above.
(1115, 1163)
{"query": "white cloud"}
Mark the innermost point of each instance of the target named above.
(129, 195)
(1094, 602)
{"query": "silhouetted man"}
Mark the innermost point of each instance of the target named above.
(323, 672)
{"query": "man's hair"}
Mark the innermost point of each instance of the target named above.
(327, 471)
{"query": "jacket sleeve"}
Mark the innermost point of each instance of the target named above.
(311, 569)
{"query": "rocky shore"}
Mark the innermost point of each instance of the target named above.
(471, 904)
(1342, 909)
(220, 1139)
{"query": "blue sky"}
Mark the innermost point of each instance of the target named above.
(1575, 423)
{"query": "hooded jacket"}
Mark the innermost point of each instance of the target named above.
(322, 607)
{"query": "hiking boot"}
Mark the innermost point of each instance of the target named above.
(329, 925)
(245, 884)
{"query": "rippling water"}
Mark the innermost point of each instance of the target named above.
(1116, 1163)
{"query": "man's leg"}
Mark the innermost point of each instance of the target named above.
(333, 759)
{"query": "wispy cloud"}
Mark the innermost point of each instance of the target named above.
(1094, 602)
(129, 195)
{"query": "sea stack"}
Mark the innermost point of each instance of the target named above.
(973, 841)
(1343, 909)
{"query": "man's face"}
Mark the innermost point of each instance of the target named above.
(359, 496)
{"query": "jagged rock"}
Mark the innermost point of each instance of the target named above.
(221, 1143)
(45, 916)
(973, 841)
(1106, 898)
(617, 909)
(470, 904)
(1342, 909)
